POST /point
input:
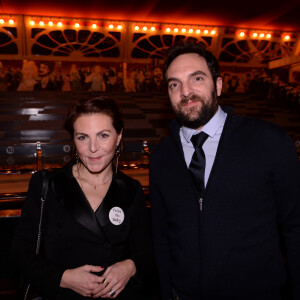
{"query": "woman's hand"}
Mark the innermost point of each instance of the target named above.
(114, 279)
(81, 280)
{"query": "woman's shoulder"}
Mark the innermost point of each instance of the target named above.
(128, 191)
(127, 180)
(55, 175)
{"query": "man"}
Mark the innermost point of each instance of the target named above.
(157, 80)
(45, 83)
(221, 241)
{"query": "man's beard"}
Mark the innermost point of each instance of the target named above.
(197, 117)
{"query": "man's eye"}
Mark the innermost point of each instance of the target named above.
(198, 78)
(172, 85)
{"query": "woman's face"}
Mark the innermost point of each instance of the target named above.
(97, 69)
(28, 71)
(95, 140)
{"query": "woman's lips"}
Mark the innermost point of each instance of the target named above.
(94, 158)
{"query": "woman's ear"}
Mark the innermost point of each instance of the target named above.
(120, 137)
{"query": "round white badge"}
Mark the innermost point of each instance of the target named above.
(116, 215)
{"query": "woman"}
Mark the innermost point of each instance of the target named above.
(29, 76)
(96, 80)
(95, 229)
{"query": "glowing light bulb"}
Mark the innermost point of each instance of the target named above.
(32, 22)
(242, 33)
(152, 28)
(42, 23)
(175, 29)
(94, 26)
(183, 30)
(168, 29)
(111, 26)
(1, 21)
(198, 31)
(191, 30)
(119, 27)
(205, 31)
(287, 37)
(254, 34)
(50, 23)
(59, 24)
(11, 22)
(136, 27)
(261, 35)
(269, 35)
(213, 32)
(145, 28)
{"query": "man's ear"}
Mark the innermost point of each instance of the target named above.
(219, 85)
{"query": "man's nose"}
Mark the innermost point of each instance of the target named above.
(186, 90)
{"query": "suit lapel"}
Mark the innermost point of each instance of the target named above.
(115, 197)
(119, 196)
(74, 201)
(227, 130)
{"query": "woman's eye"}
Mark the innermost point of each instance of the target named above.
(81, 137)
(104, 135)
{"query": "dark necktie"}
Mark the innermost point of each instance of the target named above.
(197, 165)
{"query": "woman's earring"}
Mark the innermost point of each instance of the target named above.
(77, 161)
(117, 155)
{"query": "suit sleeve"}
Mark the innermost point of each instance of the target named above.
(160, 234)
(286, 182)
(41, 273)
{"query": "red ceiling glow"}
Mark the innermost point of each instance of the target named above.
(283, 15)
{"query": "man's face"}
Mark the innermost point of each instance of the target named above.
(191, 89)
(157, 73)
(44, 70)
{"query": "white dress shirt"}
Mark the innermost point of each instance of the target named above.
(214, 130)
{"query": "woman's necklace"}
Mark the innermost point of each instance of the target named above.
(94, 185)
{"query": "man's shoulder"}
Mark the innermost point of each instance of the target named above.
(255, 130)
(251, 123)
(162, 146)
(162, 151)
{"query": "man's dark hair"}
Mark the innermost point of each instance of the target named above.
(49, 64)
(184, 47)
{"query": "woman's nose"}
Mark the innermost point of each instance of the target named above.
(94, 146)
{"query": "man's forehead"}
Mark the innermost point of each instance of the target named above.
(187, 62)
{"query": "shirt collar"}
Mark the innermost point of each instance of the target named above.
(210, 128)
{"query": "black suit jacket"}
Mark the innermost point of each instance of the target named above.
(231, 248)
(73, 235)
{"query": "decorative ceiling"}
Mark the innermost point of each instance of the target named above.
(272, 15)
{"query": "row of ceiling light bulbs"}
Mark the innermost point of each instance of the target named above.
(145, 28)
(112, 26)
(119, 27)
(262, 35)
